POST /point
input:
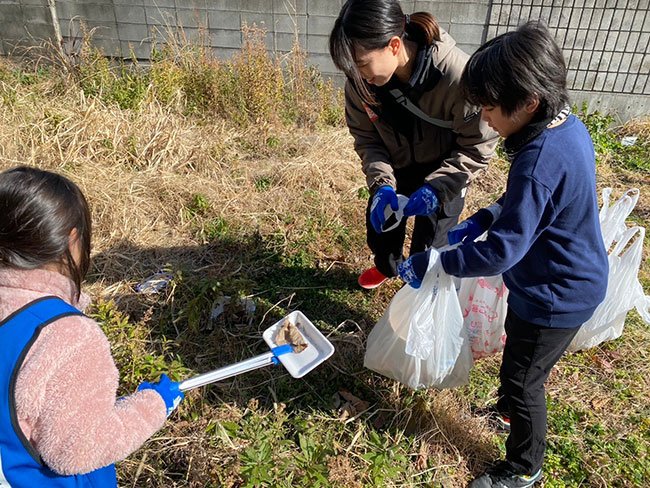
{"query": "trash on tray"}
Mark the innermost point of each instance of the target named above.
(298, 331)
(290, 334)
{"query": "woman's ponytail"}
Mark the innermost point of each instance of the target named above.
(422, 28)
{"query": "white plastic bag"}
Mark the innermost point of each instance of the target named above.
(624, 292)
(420, 340)
(612, 218)
(484, 304)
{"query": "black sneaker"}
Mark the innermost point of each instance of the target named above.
(501, 475)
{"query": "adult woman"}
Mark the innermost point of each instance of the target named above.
(413, 129)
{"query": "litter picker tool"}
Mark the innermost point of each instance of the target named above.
(294, 341)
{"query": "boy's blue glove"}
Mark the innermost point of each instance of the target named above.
(413, 269)
(167, 389)
(423, 201)
(385, 195)
(468, 230)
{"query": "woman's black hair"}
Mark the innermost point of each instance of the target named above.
(371, 24)
(514, 67)
(38, 211)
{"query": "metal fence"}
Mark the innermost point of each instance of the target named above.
(605, 42)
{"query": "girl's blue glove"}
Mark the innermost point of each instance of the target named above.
(423, 201)
(167, 389)
(384, 195)
(413, 269)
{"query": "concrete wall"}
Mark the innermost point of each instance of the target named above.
(23, 22)
(123, 28)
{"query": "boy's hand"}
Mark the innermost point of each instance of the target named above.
(470, 229)
(423, 201)
(413, 269)
(167, 389)
(467, 230)
(384, 195)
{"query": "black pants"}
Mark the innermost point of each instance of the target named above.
(428, 231)
(530, 353)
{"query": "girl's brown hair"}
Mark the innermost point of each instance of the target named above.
(371, 25)
(38, 211)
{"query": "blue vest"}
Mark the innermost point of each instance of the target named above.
(20, 464)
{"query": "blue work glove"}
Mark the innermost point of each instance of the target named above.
(413, 269)
(467, 230)
(167, 389)
(423, 201)
(385, 195)
(477, 224)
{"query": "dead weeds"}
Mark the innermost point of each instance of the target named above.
(273, 213)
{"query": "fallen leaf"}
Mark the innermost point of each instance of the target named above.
(380, 420)
(423, 457)
(289, 334)
(599, 402)
(604, 364)
(352, 406)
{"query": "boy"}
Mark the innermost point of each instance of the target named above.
(544, 234)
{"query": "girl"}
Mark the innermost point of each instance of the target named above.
(413, 129)
(543, 233)
(60, 421)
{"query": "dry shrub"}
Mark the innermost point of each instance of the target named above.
(342, 473)
(450, 432)
(141, 168)
(254, 87)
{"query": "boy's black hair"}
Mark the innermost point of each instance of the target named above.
(514, 67)
(38, 211)
(371, 24)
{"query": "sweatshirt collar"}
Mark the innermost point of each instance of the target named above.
(514, 143)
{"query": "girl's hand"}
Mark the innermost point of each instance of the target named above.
(167, 389)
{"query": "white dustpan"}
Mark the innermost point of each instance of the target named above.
(297, 364)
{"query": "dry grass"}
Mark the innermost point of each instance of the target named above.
(237, 205)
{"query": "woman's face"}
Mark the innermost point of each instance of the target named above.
(377, 66)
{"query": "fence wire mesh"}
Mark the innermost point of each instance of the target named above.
(605, 42)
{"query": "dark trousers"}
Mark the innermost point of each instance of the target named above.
(428, 231)
(530, 353)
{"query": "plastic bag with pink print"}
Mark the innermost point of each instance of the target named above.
(484, 303)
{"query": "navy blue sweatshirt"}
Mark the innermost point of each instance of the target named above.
(547, 241)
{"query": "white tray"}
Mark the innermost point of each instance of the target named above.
(318, 350)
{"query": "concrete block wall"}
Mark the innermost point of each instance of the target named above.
(22, 23)
(134, 25)
(126, 28)
(122, 27)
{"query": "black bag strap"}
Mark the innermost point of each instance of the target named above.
(404, 101)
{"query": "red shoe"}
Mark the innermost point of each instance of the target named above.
(371, 278)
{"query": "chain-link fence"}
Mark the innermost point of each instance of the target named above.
(605, 42)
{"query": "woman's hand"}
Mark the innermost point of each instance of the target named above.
(385, 195)
(423, 201)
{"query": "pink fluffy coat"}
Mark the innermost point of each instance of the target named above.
(66, 388)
